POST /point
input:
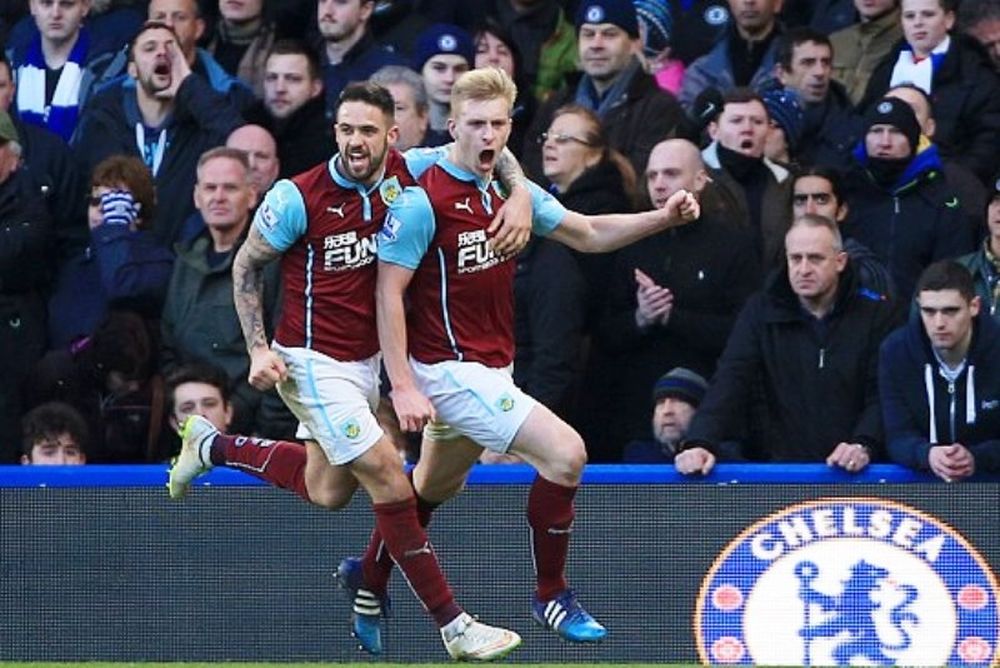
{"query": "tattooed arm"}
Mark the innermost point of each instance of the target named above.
(512, 224)
(266, 368)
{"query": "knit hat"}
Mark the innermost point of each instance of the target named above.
(443, 38)
(784, 106)
(617, 12)
(897, 113)
(681, 383)
(7, 130)
(654, 18)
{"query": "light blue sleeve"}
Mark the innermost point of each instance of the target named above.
(281, 217)
(408, 229)
(420, 159)
(546, 211)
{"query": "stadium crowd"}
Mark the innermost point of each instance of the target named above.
(836, 301)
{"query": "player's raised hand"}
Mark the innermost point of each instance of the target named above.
(413, 409)
(510, 230)
(682, 207)
(266, 369)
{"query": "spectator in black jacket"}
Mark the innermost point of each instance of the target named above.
(797, 381)
(970, 190)
(939, 378)
(167, 118)
(558, 291)
(51, 166)
(25, 238)
(672, 301)
(820, 191)
(901, 208)
(831, 128)
(953, 69)
(293, 109)
(635, 112)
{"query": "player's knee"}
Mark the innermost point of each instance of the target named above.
(568, 460)
(330, 499)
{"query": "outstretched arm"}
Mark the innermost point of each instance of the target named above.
(266, 368)
(412, 408)
(599, 234)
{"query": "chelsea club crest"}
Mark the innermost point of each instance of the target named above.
(849, 581)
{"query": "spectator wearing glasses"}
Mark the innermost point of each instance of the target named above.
(557, 290)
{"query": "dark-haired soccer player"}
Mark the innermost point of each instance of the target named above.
(324, 359)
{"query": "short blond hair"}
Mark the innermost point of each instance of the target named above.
(484, 83)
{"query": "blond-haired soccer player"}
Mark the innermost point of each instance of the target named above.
(449, 356)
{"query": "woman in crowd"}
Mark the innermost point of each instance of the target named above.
(559, 292)
(495, 48)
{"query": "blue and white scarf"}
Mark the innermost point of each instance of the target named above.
(920, 73)
(61, 114)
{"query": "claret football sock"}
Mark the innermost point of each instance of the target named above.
(406, 541)
(550, 516)
(281, 463)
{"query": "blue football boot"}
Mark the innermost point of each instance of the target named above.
(367, 608)
(564, 615)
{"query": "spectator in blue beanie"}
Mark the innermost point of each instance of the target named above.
(442, 53)
(676, 396)
(784, 107)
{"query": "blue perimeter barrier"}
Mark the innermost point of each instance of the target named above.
(771, 564)
(93, 475)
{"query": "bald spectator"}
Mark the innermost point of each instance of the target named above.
(672, 301)
(262, 154)
(981, 20)
(635, 113)
(349, 51)
(293, 109)
(797, 380)
(168, 116)
(744, 57)
(199, 319)
(410, 97)
(859, 48)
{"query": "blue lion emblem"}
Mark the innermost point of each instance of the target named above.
(854, 611)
